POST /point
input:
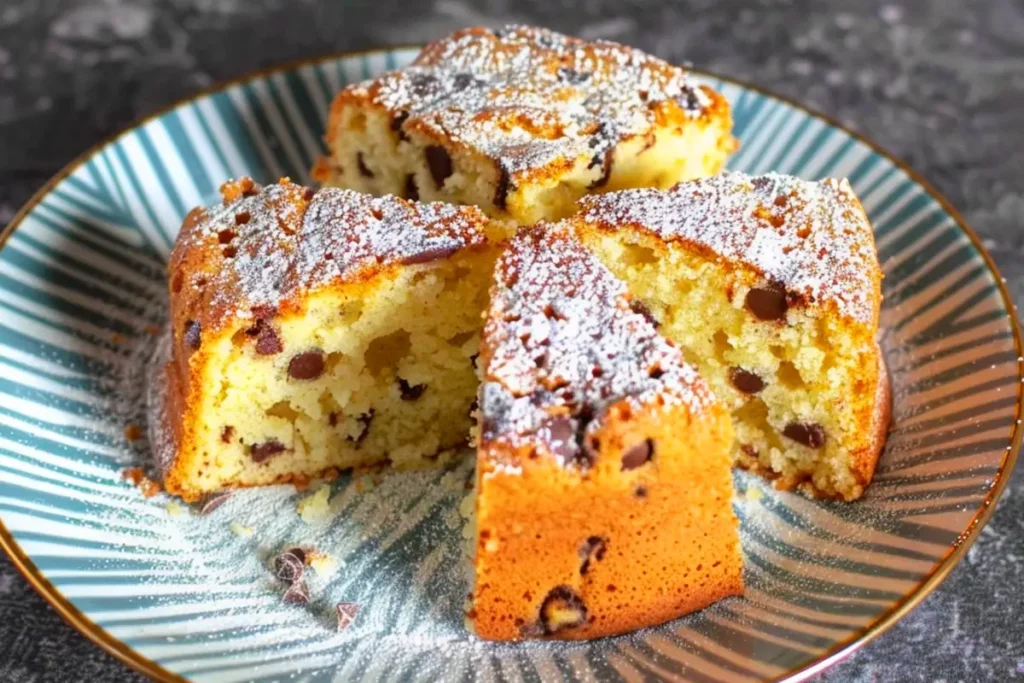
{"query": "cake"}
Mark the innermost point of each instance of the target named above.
(315, 331)
(603, 486)
(771, 286)
(523, 121)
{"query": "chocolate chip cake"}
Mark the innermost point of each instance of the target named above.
(523, 121)
(771, 286)
(603, 491)
(320, 330)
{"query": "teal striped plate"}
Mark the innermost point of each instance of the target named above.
(181, 595)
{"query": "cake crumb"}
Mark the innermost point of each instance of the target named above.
(753, 495)
(152, 330)
(323, 564)
(316, 506)
(132, 432)
(239, 529)
(138, 478)
(118, 338)
(174, 509)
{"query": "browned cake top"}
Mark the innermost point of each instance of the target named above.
(564, 340)
(812, 238)
(265, 247)
(529, 97)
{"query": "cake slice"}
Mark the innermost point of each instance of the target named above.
(320, 330)
(771, 285)
(523, 121)
(603, 490)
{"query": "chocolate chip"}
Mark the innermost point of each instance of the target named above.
(396, 124)
(465, 80)
(640, 308)
(365, 420)
(225, 236)
(592, 550)
(411, 191)
(307, 365)
(193, 335)
(410, 393)
(567, 75)
(242, 217)
(332, 419)
(428, 254)
(810, 434)
(308, 194)
(501, 190)
(361, 163)
(422, 84)
(227, 434)
(561, 436)
(262, 451)
(562, 608)
(289, 565)
(297, 593)
(689, 100)
(638, 455)
(267, 341)
(749, 450)
(655, 372)
(641, 491)
(472, 360)
(768, 303)
(605, 162)
(439, 162)
(745, 381)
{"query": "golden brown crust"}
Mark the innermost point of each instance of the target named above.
(603, 484)
(881, 416)
(635, 548)
(532, 101)
(258, 256)
(811, 238)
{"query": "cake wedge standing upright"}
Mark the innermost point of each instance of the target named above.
(604, 493)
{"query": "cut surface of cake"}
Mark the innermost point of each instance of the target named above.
(522, 121)
(771, 285)
(320, 330)
(603, 490)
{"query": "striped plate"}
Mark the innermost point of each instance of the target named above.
(180, 595)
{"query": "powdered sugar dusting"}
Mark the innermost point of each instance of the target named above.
(276, 243)
(562, 343)
(528, 97)
(811, 237)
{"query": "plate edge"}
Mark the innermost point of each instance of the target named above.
(134, 659)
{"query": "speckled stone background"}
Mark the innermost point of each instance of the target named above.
(939, 83)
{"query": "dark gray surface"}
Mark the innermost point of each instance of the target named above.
(940, 84)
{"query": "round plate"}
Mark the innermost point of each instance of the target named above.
(183, 595)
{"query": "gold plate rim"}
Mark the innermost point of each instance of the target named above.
(77, 620)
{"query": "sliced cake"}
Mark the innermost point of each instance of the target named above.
(523, 121)
(320, 330)
(771, 286)
(603, 491)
